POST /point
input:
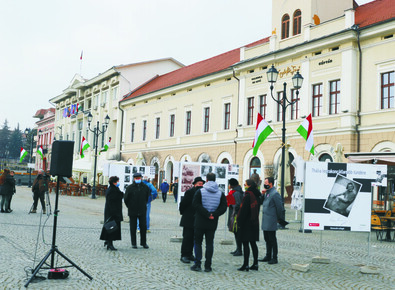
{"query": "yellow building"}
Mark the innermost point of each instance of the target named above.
(207, 111)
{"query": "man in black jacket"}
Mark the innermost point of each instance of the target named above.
(209, 203)
(187, 220)
(136, 198)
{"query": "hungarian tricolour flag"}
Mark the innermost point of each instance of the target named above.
(23, 154)
(84, 146)
(40, 151)
(105, 148)
(262, 131)
(306, 130)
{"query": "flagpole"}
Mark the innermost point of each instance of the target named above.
(81, 62)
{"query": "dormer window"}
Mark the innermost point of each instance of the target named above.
(285, 26)
(297, 22)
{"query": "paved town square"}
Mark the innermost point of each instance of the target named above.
(80, 222)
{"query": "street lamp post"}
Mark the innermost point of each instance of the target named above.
(27, 131)
(96, 132)
(284, 102)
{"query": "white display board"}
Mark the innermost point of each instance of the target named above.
(125, 173)
(338, 195)
(189, 170)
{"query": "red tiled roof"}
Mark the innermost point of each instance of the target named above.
(374, 12)
(264, 40)
(190, 72)
(193, 71)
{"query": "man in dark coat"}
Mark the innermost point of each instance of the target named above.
(39, 187)
(136, 197)
(271, 212)
(209, 203)
(174, 188)
(187, 220)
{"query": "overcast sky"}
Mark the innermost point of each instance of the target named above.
(42, 41)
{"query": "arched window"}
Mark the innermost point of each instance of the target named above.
(285, 26)
(255, 166)
(225, 161)
(297, 22)
(325, 158)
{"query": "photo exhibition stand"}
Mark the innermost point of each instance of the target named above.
(338, 197)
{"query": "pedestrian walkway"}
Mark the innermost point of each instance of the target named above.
(23, 244)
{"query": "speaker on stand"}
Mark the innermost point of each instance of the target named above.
(61, 166)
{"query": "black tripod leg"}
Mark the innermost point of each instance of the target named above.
(39, 267)
(72, 263)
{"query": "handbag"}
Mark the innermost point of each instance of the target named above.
(110, 226)
(233, 222)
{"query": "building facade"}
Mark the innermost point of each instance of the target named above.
(207, 111)
(99, 97)
(45, 135)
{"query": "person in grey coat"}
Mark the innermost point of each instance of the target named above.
(271, 212)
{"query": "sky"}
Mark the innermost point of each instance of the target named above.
(42, 41)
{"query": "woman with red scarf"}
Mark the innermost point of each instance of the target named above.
(248, 224)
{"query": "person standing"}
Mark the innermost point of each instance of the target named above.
(174, 188)
(136, 199)
(187, 212)
(12, 173)
(8, 187)
(248, 224)
(236, 193)
(39, 187)
(209, 203)
(271, 212)
(164, 188)
(153, 196)
(112, 211)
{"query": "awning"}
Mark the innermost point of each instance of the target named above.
(371, 157)
(82, 165)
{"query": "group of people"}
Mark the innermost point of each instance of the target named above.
(7, 190)
(138, 197)
(201, 207)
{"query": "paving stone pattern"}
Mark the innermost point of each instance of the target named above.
(80, 222)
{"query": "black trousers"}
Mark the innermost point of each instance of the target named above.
(187, 242)
(38, 195)
(143, 229)
(271, 244)
(164, 196)
(246, 249)
(209, 236)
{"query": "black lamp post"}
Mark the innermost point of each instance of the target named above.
(27, 131)
(284, 102)
(96, 132)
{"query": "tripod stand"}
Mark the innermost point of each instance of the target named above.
(54, 248)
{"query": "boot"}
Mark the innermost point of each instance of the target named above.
(110, 246)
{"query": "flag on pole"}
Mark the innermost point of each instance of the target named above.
(262, 131)
(82, 52)
(22, 155)
(79, 108)
(105, 148)
(40, 151)
(306, 131)
(84, 146)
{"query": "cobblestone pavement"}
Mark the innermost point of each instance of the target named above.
(159, 267)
